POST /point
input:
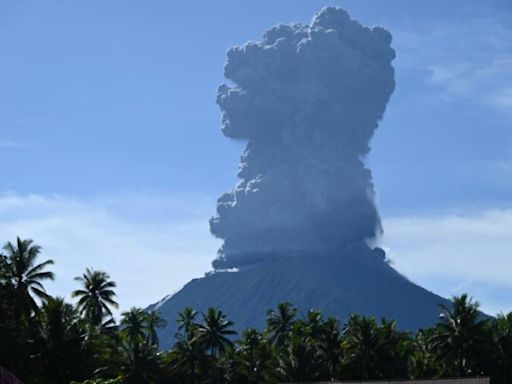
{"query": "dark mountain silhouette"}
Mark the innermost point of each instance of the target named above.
(365, 284)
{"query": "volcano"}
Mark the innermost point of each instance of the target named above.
(338, 286)
(302, 225)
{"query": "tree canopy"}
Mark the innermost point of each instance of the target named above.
(46, 340)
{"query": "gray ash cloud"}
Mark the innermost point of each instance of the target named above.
(307, 100)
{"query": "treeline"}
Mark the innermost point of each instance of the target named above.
(43, 339)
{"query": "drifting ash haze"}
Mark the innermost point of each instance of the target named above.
(307, 99)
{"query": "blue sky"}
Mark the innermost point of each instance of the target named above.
(112, 155)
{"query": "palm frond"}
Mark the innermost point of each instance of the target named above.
(42, 276)
(40, 267)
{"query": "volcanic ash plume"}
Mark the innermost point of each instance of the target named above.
(307, 99)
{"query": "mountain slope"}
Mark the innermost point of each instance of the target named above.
(338, 286)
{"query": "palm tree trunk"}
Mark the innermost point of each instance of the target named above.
(461, 362)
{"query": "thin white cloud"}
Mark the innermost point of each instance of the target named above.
(456, 253)
(153, 245)
(6, 144)
(471, 59)
(148, 257)
(503, 98)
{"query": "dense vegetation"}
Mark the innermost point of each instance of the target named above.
(43, 339)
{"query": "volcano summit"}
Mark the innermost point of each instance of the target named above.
(301, 223)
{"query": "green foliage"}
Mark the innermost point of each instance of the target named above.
(118, 380)
(280, 322)
(48, 341)
(214, 332)
(20, 271)
(502, 341)
(372, 350)
(96, 296)
(461, 338)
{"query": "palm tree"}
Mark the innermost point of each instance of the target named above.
(255, 356)
(187, 361)
(280, 323)
(422, 362)
(330, 346)
(140, 365)
(21, 284)
(215, 331)
(6, 293)
(134, 325)
(361, 344)
(393, 352)
(314, 324)
(298, 360)
(153, 321)
(502, 340)
(140, 361)
(96, 296)
(186, 324)
(21, 271)
(460, 336)
(59, 340)
(4, 271)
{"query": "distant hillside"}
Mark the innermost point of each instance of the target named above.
(362, 283)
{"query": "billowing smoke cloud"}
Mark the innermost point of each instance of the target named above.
(307, 99)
